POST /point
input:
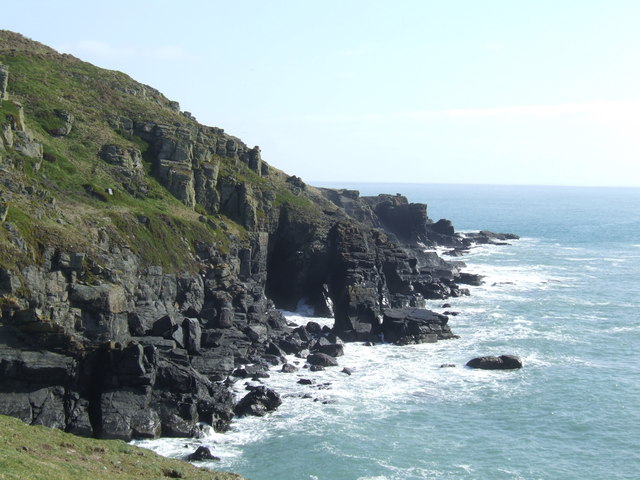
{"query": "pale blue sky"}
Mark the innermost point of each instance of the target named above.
(467, 91)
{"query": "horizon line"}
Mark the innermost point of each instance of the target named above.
(370, 182)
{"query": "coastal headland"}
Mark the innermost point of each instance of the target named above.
(145, 258)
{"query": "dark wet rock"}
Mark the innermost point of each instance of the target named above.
(404, 326)
(347, 371)
(486, 237)
(332, 349)
(306, 381)
(275, 350)
(456, 252)
(326, 346)
(302, 333)
(313, 328)
(192, 334)
(304, 353)
(289, 368)
(101, 343)
(503, 362)
(322, 360)
(259, 401)
(448, 365)
(290, 345)
(443, 227)
(316, 368)
(202, 453)
(470, 279)
(252, 371)
(273, 359)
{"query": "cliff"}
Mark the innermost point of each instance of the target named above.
(143, 257)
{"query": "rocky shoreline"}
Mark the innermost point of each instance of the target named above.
(123, 319)
(146, 354)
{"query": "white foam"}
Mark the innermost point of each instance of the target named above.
(386, 376)
(302, 318)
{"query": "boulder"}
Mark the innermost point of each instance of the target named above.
(192, 335)
(313, 328)
(443, 227)
(289, 368)
(503, 362)
(322, 360)
(259, 401)
(202, 453)
(127, 157)
(331, 349)
(470, 279)
(414, 325)
(64, 123)
(252, 371)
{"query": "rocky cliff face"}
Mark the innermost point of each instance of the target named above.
(144, 255)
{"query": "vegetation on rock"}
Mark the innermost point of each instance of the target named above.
(143, 255)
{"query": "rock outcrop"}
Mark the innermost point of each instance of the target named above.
(503, 362)
(144, 257)
(4, 80)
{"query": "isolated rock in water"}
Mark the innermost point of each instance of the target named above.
(503, 362)
(202, 453)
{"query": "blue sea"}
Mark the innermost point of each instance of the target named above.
(565, 298)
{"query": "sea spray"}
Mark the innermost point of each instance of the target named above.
(565, 303)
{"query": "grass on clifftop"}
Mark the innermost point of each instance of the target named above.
(41, 453)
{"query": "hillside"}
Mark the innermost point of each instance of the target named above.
(144, 257)
(41, 453)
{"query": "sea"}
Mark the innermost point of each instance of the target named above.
(565, 298)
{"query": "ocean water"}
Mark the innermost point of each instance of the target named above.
(565, 298)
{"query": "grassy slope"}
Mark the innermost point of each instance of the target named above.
(36, 453)
(44, 81)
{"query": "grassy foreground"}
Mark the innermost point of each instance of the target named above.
(35, 453)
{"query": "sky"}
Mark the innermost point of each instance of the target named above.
(461, 91)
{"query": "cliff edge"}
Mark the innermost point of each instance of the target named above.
(144, 257)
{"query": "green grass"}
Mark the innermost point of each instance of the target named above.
(7, 109)
(41, 453)
(73, 175)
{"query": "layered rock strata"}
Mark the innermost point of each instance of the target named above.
(100, 341)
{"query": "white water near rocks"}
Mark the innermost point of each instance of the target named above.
(564, 298)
